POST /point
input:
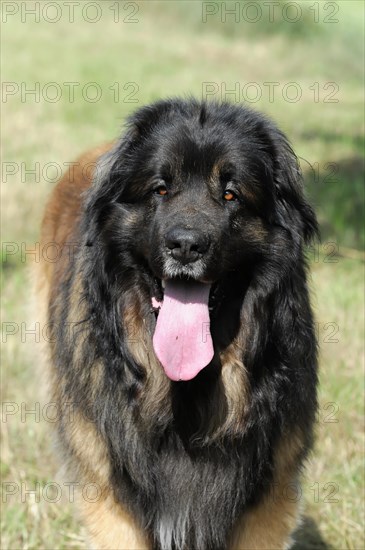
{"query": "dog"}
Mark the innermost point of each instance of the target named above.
(181, 331)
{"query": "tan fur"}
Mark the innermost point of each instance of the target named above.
(236, 386)
(257, 232)
(64, 206)
(157, 387)
(110, 527)
(62, 213)
(268, 525)
(216, 170)
(89, 448)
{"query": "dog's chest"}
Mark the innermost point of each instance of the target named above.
(197, 500)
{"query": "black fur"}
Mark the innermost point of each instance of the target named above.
(186, 488)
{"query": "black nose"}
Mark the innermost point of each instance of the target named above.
(187, 245)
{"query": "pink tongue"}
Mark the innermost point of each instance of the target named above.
(182, 339)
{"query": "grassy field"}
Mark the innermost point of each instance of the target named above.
(307, 75)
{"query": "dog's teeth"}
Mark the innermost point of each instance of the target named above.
(163, 284)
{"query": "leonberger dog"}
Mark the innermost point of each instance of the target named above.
(181, 331)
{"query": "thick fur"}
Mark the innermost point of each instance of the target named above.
(204, 464)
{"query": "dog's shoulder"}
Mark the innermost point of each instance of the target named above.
(63, 211)
(64, 204)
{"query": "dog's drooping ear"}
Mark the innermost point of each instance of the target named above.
(114, 167)
(146, 118)
(293, 209)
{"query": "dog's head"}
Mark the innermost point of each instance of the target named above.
(193, 195)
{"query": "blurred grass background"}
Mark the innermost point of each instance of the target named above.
(148, 50)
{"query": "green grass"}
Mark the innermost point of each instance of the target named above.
(171, 52)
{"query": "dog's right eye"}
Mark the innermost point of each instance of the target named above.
(161, 190)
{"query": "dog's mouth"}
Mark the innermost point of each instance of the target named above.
(159, 285)
(182, 340)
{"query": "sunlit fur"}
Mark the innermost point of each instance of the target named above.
(189, 465)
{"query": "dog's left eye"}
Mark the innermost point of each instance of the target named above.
(229, 195)
(161, 190)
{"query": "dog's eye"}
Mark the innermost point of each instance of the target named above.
(229, 195)
(161, 190)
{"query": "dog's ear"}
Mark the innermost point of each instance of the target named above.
(293, 209)
(143, 121)
(113, 168)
